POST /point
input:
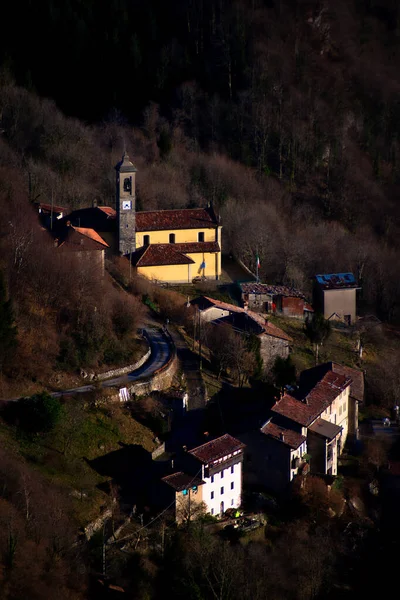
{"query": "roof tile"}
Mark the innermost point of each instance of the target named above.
(290, 438)
(305, 410)
(186, 218)
(218, 448)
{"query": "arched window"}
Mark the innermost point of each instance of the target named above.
(128, 184)
(146, 240)
(172, 238)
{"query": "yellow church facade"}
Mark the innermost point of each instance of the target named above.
(177, 246)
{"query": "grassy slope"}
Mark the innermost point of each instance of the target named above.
(94, 433)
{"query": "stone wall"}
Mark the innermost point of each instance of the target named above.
(160, 379)
(158, 451)
(124, 370)
(270, 348)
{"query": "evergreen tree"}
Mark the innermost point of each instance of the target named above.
(8, 330)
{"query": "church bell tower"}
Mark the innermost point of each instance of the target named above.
(125, 205)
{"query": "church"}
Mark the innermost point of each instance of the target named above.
(174, 246)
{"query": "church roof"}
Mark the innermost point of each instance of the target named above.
(171, 254)
(160, 255)
(181, 218)
(125, 165)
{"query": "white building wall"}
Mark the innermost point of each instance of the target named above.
(231, 497)
(301, 450)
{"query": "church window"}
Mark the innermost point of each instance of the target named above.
(146, 240)
(172, 238)
(201, 236)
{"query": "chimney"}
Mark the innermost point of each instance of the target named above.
(94, 203)
(55, 242)
(172, 464)
(282, 436)
(68, 223)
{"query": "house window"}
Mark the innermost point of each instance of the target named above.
(222, 491)
(212, 478)
(340, 410)
(200, 236)
(232, 502)
(212, 511)
(232, 485)
(222, 474)
(212, 495)
(344, 407)
(232, 468)
(146, 240)
(172, 238)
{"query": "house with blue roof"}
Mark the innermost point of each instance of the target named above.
(335, 296)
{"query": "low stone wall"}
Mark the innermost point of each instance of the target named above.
(158, 451)
(127, 369)
(94, 526)
(160, 379)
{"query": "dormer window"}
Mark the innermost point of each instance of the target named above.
(200, 236)
(172, 238)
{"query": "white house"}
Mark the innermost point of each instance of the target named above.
(213, 475)
(220, 461)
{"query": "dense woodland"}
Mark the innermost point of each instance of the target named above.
(286, 115)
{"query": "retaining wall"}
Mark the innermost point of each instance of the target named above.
(128, 368)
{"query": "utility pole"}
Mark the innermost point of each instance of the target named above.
(104, 549)
(200, 365)
(51, 211)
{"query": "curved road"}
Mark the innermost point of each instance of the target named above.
(160, 354)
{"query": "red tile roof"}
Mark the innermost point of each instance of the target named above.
(217, 448)
(186, 218)
(80, 239)
(182, 481)
(198, 247)
(290, 438)
(306, 410)
(266, 326)
(171, 254)
(110, 212)
(357, 379)
(48, 208)
(92, 234)
(160, 254)
(293, 409)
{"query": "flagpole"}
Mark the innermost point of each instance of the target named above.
(257, 263)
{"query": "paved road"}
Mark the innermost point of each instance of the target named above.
(190, 366)
(160, 353)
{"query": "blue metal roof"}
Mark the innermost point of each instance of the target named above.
(337, 280)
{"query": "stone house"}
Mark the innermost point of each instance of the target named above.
(84, 243)
(212, 474)
(335, 296)
(273, 340)
(275, 299)
(307, 431)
